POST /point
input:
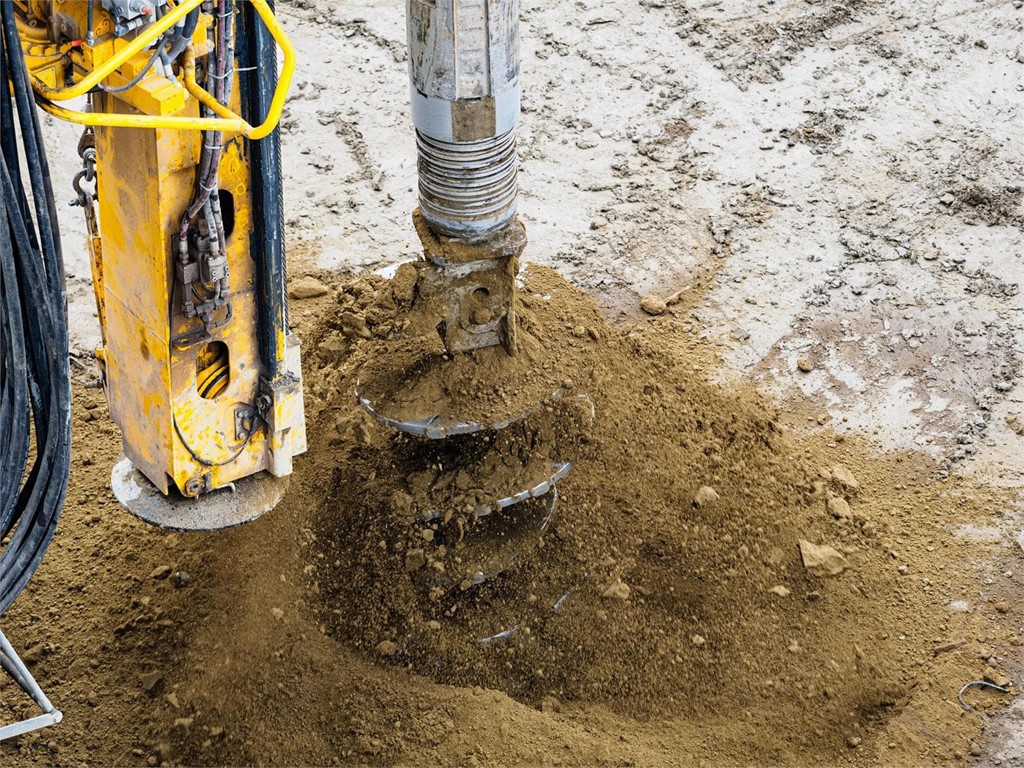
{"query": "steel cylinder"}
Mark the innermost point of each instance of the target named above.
(464, 77)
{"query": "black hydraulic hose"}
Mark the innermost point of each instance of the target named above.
(258, 78)
(157, 52)
(183, 38)
(35, 388)
(35, 154)
(209, 164)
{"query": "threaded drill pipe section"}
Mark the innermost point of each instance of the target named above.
(467, 190)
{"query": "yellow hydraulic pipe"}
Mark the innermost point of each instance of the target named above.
(110, 120)
(283, 82)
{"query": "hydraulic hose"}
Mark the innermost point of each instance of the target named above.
(35, 382)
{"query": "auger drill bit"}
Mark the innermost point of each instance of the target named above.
(464, 84)
(468, 527)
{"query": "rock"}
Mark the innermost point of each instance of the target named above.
(779, 590)
(853, 741)
(1002, 607)
(903, 570)
(994, 676)
(277, 613)
(161, 572)
(947, 199)
(844, 478)
(946, 647)
(617, 590)
(403, 285)
(150, 681)
(838, 507)
(697, 640)
(975, 749)
(805, 365)
(181, 579)
(414, 560)
(653, 305)
(704, 496)
(333, 349)
(821, 559)
(604, 17)
(307, 287)
(386, 648)
(352, 324)
(401, 502)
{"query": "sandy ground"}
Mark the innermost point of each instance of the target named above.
(851, 171)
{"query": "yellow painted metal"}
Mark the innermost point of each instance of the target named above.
(183, 424)
(114, 120)
(171, 432)
(103, 69)
(228, 120)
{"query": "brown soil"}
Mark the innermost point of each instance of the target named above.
(684, 633)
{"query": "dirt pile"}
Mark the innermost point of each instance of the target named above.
(712, 587)
(670, 581)
(664, 606)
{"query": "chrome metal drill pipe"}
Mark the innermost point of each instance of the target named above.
(464, 73)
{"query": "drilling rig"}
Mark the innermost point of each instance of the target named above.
(181, 188)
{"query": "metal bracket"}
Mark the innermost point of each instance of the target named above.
(244, 421)
(19, 673)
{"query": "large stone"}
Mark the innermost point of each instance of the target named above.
(653, 305)
(705, 496)
(617, 590)
(844, 478)
(307, 287)
(821, 559)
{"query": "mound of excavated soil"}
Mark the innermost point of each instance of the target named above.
(712, 587)
(647, 595)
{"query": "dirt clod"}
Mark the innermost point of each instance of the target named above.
(306, 287)
(821, 559)
(653, 305)
(844, 478)
(705, 496)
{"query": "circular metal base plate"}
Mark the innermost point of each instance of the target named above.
(223, 508)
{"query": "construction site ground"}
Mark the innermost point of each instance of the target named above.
(827, 198)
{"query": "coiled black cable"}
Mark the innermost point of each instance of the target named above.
(35, 382)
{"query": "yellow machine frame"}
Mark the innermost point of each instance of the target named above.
(184, 396)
